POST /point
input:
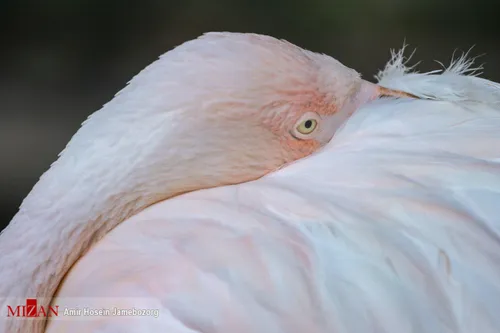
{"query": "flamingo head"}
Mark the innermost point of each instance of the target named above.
(226, 108)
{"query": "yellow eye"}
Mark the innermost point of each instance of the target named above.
(307, 126)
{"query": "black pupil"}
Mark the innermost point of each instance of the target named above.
(308, 124)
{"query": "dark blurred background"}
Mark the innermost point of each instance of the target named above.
(60, 60)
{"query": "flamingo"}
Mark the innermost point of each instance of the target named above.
(392, 227)
(222, 109)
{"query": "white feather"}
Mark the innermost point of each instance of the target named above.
(457, 83)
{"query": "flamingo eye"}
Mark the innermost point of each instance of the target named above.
(307, 126)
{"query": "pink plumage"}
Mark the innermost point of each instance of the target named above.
(390, 227)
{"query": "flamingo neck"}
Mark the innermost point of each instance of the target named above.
(95, 185)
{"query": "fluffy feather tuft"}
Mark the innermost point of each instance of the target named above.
(459, 82)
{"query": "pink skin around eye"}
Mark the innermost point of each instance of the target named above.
(282, 117)
(300, 148)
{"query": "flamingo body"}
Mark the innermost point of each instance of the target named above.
(393, 227)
